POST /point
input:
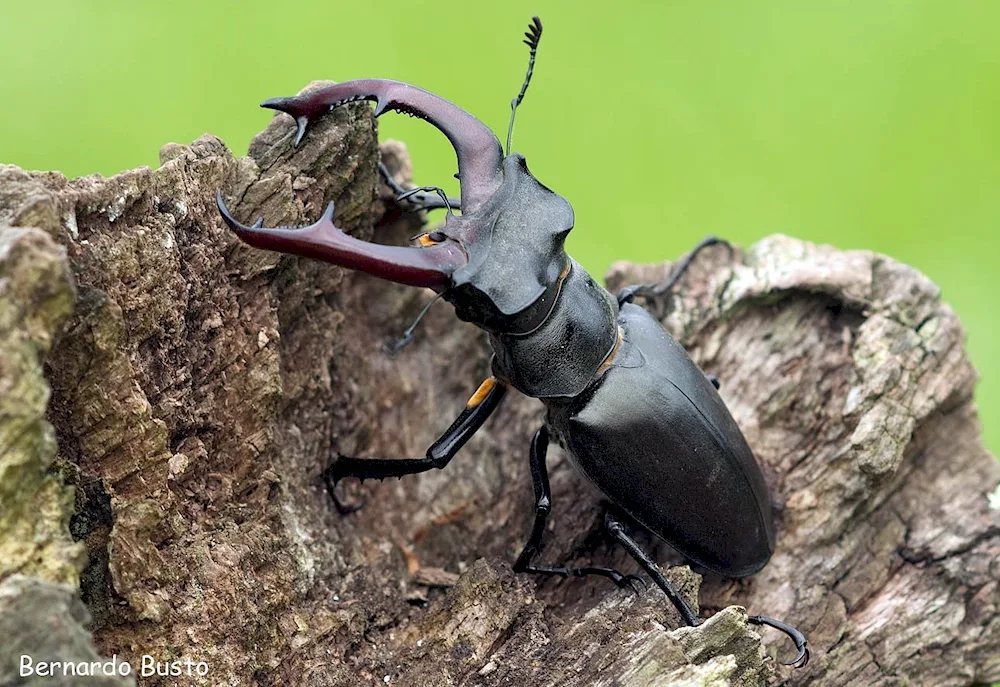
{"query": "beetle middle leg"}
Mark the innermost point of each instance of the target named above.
(543, 506)
(626, 294)
(479, 408)
(617, 530)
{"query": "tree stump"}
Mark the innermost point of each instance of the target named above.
(199, 387)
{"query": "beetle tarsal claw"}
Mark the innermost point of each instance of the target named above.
(793, 633)
(802, 659)
(634, 580)
(330, 480)
(635, 583)
(628, 581)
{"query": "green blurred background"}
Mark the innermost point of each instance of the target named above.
(861, 124)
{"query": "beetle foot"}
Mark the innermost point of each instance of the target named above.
(636, 584)
(796, 636)
(620, 579)
(330, 480)
(394, 346)
(631, 581)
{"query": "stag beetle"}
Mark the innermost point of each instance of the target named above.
(624, 400)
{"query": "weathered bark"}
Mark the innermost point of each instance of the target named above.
(199, 387)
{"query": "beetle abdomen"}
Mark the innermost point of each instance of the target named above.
(655, 437)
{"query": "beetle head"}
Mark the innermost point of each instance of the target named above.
(501, 263)
(516, 259)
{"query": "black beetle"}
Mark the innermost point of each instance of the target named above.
(625, 401)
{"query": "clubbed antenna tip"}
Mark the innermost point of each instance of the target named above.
(531, 38)
(533, 34)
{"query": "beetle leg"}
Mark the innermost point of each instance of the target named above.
(421, 200)
(635, 583)
(800, 639)
(543, 506)
(342, 507)
(617, 530)
(477, 410)
(714, 380)
(626, 294)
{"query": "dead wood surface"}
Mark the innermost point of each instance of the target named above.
(199, 387)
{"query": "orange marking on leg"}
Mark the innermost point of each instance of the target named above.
(484, 389)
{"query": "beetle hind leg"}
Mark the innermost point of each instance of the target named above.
(794, 634)
(617, 530)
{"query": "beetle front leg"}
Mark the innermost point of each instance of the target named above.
(421, 200)
(477, 410)
(543, 506)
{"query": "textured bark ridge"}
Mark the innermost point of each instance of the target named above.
(199, 387)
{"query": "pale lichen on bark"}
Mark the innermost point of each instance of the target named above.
(36, 296)
(199, 387)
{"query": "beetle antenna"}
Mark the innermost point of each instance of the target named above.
(532, 36)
